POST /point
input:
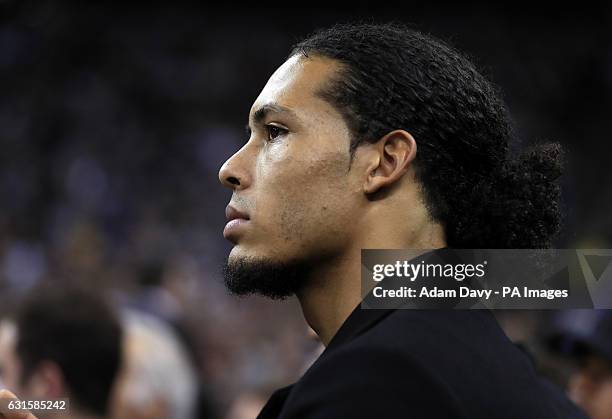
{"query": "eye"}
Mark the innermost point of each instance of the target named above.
(274, 132)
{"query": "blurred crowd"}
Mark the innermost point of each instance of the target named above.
(113, 125)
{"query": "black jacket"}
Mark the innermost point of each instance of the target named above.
(420, 364)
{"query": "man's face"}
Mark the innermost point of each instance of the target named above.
(292, 179)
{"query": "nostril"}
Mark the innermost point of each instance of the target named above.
(233, 180)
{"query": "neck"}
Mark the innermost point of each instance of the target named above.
(333, 294)
(335, 289)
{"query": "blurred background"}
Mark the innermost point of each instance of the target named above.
(114, 121)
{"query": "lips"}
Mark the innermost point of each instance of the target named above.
(236, 221)
(232, 213)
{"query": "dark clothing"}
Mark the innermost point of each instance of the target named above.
(420, 364)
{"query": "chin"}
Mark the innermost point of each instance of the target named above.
(253, 253)
(241, 252)
(247, 273)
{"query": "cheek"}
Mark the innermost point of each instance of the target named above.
(307, 200)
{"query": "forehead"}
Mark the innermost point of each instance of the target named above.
(295, 84)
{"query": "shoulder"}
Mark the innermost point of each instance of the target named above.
(447, 338)
(432, 364)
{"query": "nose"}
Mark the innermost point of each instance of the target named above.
(233, 174)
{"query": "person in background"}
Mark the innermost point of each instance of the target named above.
(158, 379)
(586, 338)
(63, 342)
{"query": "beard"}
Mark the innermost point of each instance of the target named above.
(276, 280)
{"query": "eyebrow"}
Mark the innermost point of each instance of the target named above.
(261, 113)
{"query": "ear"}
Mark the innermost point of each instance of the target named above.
(48, 381)
(392, 156)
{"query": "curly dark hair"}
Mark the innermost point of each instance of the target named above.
(393, 77)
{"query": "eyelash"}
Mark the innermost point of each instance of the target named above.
(269, 128)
